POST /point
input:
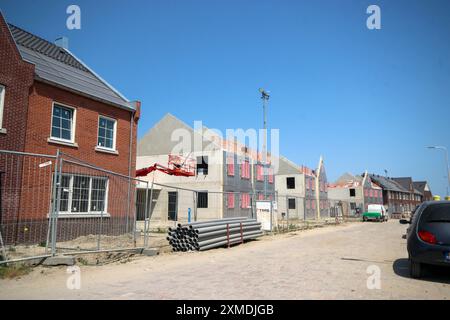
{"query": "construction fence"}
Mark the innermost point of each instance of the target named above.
(346, 209)
(57, 204)
(171, 205)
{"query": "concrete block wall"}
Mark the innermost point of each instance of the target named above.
(283, 193)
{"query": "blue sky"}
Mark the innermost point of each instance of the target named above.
(364, 99)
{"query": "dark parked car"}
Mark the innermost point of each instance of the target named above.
(429, 236)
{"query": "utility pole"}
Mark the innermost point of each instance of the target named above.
(446, 161)
(265, 98)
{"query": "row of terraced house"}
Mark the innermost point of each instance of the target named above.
(51, 102)
(400, 195)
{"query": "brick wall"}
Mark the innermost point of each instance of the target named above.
(17, 76)
(41, 101)
(120, 209)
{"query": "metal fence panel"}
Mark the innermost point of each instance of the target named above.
(26, 200)
(52, 204)
(97, 209)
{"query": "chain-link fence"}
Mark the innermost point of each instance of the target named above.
(57, 204)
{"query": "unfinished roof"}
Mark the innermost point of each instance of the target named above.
(346, 177)
(286, 166)
(58, 66)
(166, 135)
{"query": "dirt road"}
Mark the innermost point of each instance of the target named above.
(326, 263)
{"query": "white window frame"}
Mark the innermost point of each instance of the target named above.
(114, 133)
(2, 104)
(74, 121)
(89, 212)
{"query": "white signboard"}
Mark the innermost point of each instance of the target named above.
(45, 164)
(264, 214)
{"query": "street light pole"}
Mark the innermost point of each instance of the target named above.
(265, 98)
(446, 160)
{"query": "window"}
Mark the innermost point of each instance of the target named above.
(106, 133)
(2, 104)
(352, 206)
(366, 192)
(230, 165)
(80, 194)
(230, 200)
(290, 182)
(62, 123)
(202, 165)
(83, 194)
(291, 203)
(202, 199)
(98, 194)
(352, 193)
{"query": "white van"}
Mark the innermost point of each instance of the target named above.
(375, 212)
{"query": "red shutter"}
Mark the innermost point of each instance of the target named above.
(245, 200)
(230, 200)
(270, 175)
(259, 172)
(230, 165)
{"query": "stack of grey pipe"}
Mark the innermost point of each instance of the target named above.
(199, 236)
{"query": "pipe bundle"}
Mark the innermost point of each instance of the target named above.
(199, 236)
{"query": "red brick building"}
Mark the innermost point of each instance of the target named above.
(50, 100)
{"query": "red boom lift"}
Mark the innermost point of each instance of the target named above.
(176, 167)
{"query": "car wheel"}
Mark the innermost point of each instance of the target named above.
(415, 269)
(364, 219)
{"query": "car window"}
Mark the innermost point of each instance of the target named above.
(436, 213)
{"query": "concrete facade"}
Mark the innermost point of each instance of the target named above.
(354, 193)
(290, 187)
(310, 190)
(231, 182)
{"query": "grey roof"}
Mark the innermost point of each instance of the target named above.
(158, 140)
(420, 186)
(387, 183)
(407, 182)
(286, 166)
(346, 177)
(60, 67)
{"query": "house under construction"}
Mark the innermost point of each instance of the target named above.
(227, 177)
